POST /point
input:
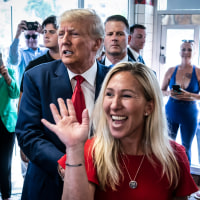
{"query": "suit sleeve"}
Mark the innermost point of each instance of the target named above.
(37, 142)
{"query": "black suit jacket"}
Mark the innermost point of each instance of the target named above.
(131, 55)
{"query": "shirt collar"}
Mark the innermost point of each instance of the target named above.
(30, 49)
(135, 54)
(108, 63)
(87, 75)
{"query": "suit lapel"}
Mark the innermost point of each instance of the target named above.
(101, 73)
(131, 55)
(61, 78)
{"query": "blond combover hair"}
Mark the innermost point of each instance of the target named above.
(94, 27)
(155, 139)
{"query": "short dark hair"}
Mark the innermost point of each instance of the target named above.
(134, 26)
(50, 20)
(118, 18)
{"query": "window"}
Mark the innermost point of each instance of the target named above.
(106, 8)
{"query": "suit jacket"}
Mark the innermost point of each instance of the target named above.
(132, 57)
(43, 84)
(8, 108)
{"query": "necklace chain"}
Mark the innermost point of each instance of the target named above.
(133, 183)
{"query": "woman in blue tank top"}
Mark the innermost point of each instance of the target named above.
(181, 108)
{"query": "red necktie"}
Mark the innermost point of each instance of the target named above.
(79, 105)
(78, 98)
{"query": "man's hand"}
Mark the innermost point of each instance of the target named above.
(61, 172)
(20, 28)
(39, 29)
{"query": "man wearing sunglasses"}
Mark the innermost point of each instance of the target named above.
(21, 57)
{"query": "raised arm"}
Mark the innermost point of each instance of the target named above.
(73, 135)
(9, 76)
(14, 51)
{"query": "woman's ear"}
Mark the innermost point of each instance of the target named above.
(149, 108)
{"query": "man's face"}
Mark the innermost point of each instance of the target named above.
(31, 39)
(50, 36)
(116, 38)
(138, 38)
(77, 48)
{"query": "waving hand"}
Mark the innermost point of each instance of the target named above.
(66, 126)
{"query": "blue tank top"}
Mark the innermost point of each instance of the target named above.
(193, 86)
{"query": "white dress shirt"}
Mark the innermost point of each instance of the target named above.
(88, 86)
(108, 63)
(135, 54)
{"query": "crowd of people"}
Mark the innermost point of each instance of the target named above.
(92, 125)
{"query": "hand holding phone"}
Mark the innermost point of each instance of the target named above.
(176, 88)
(32, 25)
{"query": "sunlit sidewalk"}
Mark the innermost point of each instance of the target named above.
(17, 179)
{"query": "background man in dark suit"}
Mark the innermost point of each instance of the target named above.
(137, 42)
(80, 37)
(116, 40)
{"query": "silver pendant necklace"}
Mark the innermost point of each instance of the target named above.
(133, 183)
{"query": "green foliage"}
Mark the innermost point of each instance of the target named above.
(40, 8)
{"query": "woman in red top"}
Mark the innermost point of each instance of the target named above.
(130, 155)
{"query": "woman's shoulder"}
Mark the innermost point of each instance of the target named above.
(176, 146)
(197, 69)
(179, 151)
(89, 144)
(170, 71)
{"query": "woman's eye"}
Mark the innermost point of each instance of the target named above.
(127, 96)
(74, 33)
(109, 94)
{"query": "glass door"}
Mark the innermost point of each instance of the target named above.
(171, 39)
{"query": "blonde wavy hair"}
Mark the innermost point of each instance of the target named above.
(155, 139)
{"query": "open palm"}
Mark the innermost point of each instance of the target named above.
(66, 126)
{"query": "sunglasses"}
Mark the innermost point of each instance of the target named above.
(34, 36)
(188, 41)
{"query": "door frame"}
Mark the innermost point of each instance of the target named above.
(163, 42)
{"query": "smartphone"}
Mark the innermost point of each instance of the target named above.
(32, 25)
(1, 59)
(177, 88)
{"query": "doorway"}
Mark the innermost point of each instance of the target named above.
(172, 35)
(171, 39)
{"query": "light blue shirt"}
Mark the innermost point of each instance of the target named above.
(22, 56)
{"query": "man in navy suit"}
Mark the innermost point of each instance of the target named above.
(137, 42)
(116, 40)
(80, 37)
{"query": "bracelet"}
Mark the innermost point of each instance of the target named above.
(78, 165)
